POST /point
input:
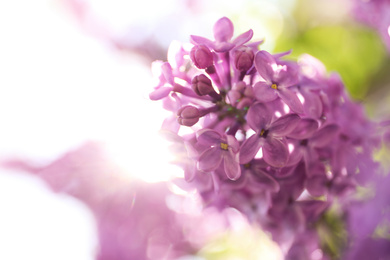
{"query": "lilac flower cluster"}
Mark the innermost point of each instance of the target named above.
(277, 139)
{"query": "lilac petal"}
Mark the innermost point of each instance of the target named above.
(305, 129)
(312, 105)
(275, 152)
(317, 185)
(233, 96)
(248, 91)
(189, 172)
(286, 171)
(259, 116)
(233, 143)
(190, 149)
(310, 156)
(259, 164)
(208, 137)
(282, 54)
(295, 155)
(312, 209)
(160, 93)
(223, 30)
(231, 165)
(237, 184)
(223, 46)
(342, 185)
(216, 182)
(386, 138)
(265, 181)
(249, 148)
(316, 67)
(264, 93)
(172, 102)
(198, 40)
(243, 38)
(291, 99)
(210, 159)
(255, 45)
(284, 125)
(166, 70)
(324, 136)
(244, 102)
(170, 125)
(175, 55)
(264, 63)
(288, 76)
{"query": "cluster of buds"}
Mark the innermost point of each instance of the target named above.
(277, 139)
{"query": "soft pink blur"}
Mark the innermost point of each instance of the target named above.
(133, 219)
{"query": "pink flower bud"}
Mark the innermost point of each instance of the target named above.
(243, 58)
(202, 85)
(188, 115)
(201, 56)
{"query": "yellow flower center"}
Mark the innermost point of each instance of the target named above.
(274, 86)
(224, 146)
(262, 132)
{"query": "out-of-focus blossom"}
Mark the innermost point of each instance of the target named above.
(279, 78)
(376, 14)
(269, 136)
(221, 148)
(133, 219)
(368, 223)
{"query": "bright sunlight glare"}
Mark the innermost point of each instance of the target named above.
(93, 92)
(143, 152)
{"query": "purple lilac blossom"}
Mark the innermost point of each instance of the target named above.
(268, 135)
(302, 143)
(221, 148)
(278, 78)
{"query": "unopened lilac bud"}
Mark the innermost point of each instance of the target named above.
(201, 56)
(202, 85)
(188, 115)
(243, 58)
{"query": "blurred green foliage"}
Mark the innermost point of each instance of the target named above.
(247, 243)
(332, 232)
(355, 52)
